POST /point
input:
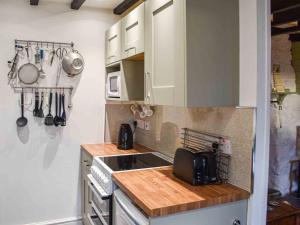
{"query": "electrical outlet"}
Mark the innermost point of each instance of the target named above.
(147, 125)
(226, 146)
(141, 124)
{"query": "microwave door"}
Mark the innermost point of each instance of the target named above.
(113, 84)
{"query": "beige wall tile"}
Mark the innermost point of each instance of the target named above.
(167, 123)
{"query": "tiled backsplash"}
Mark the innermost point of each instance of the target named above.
(167, 122)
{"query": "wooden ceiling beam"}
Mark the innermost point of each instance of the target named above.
(34, 2)
(76, 4)
(123, 6)
(286, 16)
(278, 31)
(277, 5)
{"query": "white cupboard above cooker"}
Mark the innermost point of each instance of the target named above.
(113, 44)
(191, 53)
(126, 38)
(133, 32)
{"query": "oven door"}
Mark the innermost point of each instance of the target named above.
(113, 87)
(100, 203)
(125, 213)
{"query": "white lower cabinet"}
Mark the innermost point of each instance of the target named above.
(227, 214)
(86, 210)
(126, 213)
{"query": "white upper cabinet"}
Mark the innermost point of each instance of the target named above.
(164, 52)
(192, 53)
(113, 44)
(133, 32)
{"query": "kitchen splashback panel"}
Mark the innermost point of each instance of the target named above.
(167, 122)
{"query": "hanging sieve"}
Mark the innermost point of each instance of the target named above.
(28, 73)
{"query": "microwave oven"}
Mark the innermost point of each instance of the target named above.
(113, 85)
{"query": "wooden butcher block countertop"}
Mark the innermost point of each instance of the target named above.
(158, 193)
(111, 149)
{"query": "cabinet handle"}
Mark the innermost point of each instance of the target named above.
(148, 91)
(126, 50)
(236, 222)
(112, 56)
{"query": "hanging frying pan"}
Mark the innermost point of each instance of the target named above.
(28, 73)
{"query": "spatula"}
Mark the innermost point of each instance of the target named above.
(36, 105)
(41, 112)
(63, 115)
(49, 121)
(56, 118)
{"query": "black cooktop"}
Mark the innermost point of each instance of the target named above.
(136, 161)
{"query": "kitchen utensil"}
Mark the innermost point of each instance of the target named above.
(12, 73)
(36, 105)
(60, 52)
(42, 56)
(73, 63)
(37, 55)
(27, 52)
(52, 55)
(41, 112)
(59, 120)
(22, 121)
(28, 73)
(49, 121)
(147, 110)
(125, 140)
(56, 118)
(63, 115)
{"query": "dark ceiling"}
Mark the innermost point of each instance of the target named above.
(286, 16)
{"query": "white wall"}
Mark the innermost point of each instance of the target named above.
(39, 167)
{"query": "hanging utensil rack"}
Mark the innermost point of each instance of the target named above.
(41, 87)
(43, 43)
(200, 141)
(22, 88)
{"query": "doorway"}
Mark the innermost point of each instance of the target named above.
(283, 193)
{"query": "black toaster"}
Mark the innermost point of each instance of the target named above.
(196, 168)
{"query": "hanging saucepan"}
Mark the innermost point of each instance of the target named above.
(73, 63)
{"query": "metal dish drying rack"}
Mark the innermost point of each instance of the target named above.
(200, 141)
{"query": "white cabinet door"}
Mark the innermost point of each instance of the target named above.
(133, 32)
(113, 43)
(164, 52)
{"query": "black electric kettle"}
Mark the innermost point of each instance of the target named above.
(125, 140)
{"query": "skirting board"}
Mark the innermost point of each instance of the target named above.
(66, 221)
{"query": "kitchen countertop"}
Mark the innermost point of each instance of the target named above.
(158, 193)
(111, 149)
